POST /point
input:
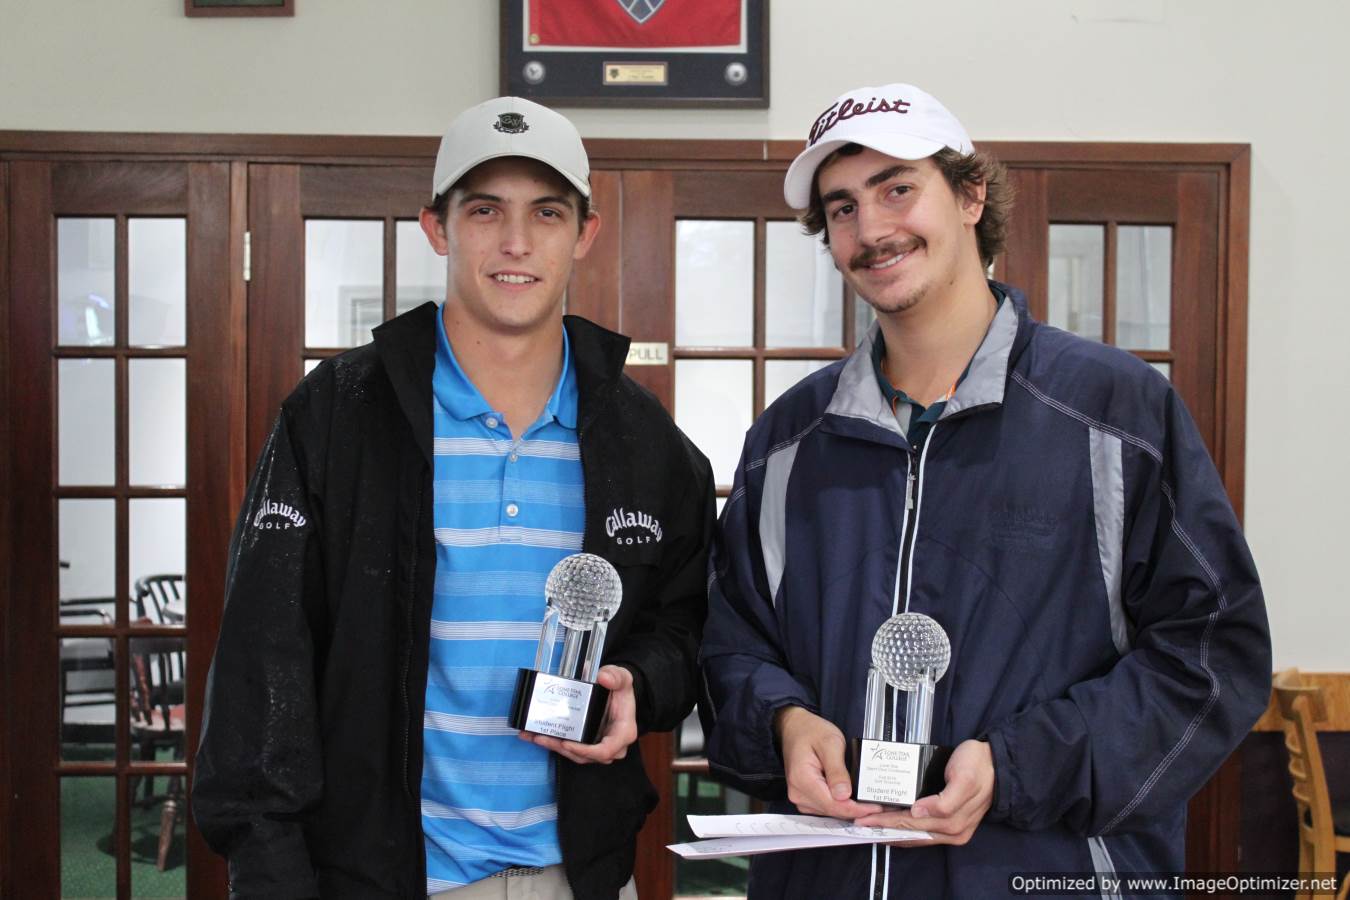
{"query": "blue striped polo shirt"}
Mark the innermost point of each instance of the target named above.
(506, 510)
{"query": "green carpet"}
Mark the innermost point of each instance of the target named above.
(88, 862)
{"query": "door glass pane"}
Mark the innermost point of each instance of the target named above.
(87, 694)
(85, 289)
(85, 392)
(781, 374)
(714, 283)
(155, 696)
(148, 822)
(713, 406)
(1144, 287)
(157, 411)
(88, 550)
(88, 825)
(1164, 368)
(1077, 264)
(701, 795)
(157, 282)
(421, 273)
(803, 291)
(157, 543)
(311, 365)
(344, 281)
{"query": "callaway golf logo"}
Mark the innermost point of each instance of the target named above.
(632, 527)
(274, 515)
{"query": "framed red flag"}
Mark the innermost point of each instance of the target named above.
(712, 53)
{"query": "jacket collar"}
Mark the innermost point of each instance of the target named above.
(407, 347)
(988, 374)
(858, 396)
(598, 356)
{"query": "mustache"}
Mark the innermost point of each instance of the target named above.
(876, 254)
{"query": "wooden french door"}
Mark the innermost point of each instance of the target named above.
(125, 385)
(1135, 255)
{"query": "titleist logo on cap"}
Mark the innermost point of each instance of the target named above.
(851, 109)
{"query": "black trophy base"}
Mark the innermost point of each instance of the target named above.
(893, 773)
(558, 707)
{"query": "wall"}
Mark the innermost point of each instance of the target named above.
(1082, 70)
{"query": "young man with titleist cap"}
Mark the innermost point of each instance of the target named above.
(356, 739)
(1046, 499)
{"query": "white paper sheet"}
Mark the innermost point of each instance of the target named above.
(768, 833)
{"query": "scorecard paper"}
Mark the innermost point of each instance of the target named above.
(768, 833)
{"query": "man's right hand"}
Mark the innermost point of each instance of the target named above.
(813, 759)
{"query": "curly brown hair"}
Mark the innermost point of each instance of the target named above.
(963, 173)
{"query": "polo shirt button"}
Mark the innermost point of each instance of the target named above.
(512, 510)
(491, 422)
(514, 456)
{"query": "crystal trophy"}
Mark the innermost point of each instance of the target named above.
(910, 652)
(583, 593)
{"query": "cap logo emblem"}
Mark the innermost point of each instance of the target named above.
(511, 123)
(640, 10)
(851, 109)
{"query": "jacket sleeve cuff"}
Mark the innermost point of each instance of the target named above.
(277, 870)
(1001, 809)
(774, 689)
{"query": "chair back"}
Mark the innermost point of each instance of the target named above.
(154, 593)
(1301, 707)
(150, 692)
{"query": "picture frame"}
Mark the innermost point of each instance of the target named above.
(636, 53)
(239, 7)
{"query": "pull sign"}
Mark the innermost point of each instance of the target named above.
(650, 354)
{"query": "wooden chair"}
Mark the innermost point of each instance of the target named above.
(159, 600)
(157, 722)
(1322, 831)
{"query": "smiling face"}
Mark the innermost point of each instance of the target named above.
(897, 231)
(512, 231)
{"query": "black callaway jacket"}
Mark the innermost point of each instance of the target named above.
(309, 771)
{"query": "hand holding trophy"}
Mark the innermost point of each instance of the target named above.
(910, 652)
(583, 593)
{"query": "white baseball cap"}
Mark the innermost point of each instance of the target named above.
(898, 120)
(511, 126)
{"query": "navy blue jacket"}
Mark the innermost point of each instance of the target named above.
(1069, 532)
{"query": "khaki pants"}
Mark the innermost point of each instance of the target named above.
(550, 884)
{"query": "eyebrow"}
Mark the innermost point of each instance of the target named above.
(879, 178)
(479, 196)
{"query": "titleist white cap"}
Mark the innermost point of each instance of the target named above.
(898, 120)
(511, 126)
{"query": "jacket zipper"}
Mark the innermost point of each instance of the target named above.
(909, 530)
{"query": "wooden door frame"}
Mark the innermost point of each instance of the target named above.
(6, 548)
(609, 158)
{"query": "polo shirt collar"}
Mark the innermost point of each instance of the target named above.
(462, 400)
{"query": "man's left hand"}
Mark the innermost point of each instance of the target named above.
(951, 816)
(620, 728)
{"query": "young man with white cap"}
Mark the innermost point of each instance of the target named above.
(1046, 499)
(356, 739)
